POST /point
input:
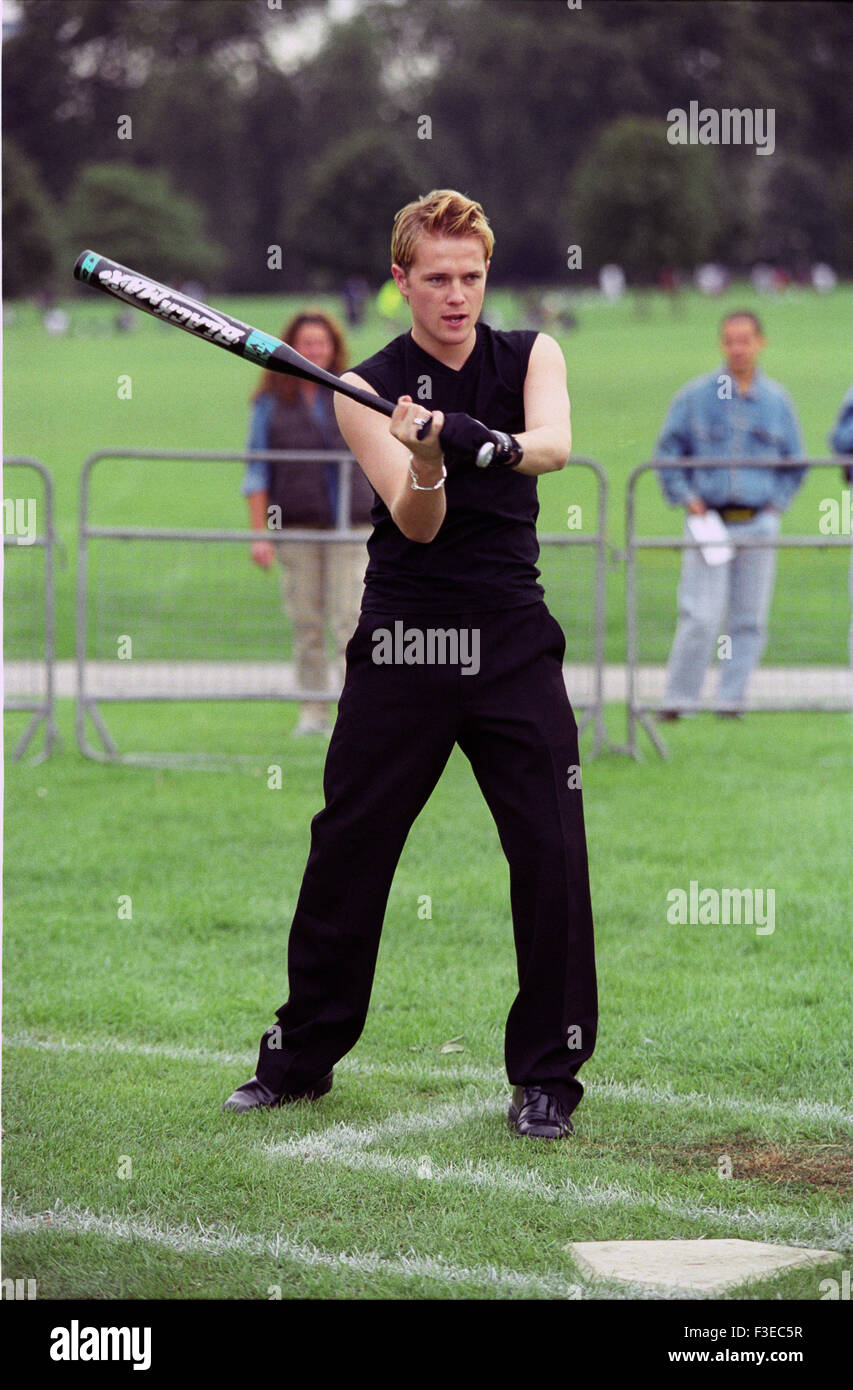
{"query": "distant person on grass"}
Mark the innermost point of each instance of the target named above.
(733, 412)
(455, 563)
(322, 582)
(841, 440)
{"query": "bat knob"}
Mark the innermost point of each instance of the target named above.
(485, 455)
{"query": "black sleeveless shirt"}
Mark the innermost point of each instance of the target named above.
(484, 556)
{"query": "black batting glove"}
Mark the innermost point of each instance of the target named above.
(470, 441)
(505, 453)
(463, 437)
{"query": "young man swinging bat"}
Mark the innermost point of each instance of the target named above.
(453, 549)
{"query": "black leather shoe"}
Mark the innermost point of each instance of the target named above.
(254, 1095)
(534, 1112)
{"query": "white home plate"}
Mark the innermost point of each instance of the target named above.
(708, 1266)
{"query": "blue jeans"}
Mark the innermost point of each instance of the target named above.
(714, 599)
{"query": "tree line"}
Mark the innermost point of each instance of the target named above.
(202, 139)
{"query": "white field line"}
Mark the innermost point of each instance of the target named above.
(117, 1045)
(224, 1240)
(339, 1141)
(229, 1241)
(655, 1094)
(344, 1146)
(663, 1094)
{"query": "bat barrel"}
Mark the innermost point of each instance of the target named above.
(212, 325)
(169, 305)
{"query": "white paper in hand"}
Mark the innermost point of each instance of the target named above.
(709, 529)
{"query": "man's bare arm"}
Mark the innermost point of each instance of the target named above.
(547, 440)
(383, 451)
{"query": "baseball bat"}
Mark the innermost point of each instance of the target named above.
(213, 326)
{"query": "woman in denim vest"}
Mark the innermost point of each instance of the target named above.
(322, 582)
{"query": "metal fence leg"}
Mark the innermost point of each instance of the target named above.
(88, 706)
(644, 718)
(47, 541)
(27, 736)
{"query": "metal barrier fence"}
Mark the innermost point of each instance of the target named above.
(807, 626)
(583, 621)
(199, 631)
(29, 679)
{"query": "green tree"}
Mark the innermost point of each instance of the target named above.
(349, 209)
(135, 216)
(796, 217)
(518, 91)
(30, 238)
(642, 202)
(201, 82)
(843, 201)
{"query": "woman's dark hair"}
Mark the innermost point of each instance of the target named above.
(286, 387)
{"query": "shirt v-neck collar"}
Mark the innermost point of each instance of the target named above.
(436, 361)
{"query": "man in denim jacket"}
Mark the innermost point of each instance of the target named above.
(841, 440)
(735, 413)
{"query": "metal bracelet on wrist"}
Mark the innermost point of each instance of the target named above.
(419, 487)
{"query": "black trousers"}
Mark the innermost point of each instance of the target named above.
(396, 727)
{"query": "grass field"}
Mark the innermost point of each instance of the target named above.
(61, 402)
(124, 1034)
(123, 1177)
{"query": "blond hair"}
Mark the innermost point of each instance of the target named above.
(443, 212)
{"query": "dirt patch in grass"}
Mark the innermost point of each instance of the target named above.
(823, 1166)
(828, 1167)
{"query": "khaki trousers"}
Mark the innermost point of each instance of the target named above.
(322, 587)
